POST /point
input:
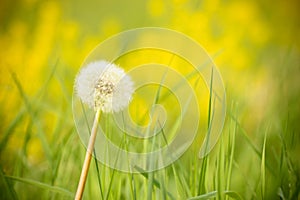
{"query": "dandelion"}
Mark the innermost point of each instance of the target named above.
(104, 87)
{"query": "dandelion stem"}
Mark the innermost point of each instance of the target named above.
(88, 157)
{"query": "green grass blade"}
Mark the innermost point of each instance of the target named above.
(220, 170)
(34, 118)
(177, 182)
(233, 195)
(146, 175)
(254, 148)
(20, 115)
(210, 98)
(232, 142)
(263, 168)
(98, 176)
(7, 134)
(214, 194)
(189, 76)
(202, 179)
(130, 175)
(238, 168)
(43, 89)
(114, 169)
(209, 195)
(163, 195)
(156, 98)
(7, 189)
(181, 183)
(151, 174)
(41, 185)
(132, 186)
(155, 182)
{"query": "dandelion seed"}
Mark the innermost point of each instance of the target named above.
(105, 86)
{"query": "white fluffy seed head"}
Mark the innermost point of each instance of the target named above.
(105, 86)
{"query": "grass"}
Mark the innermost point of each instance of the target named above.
(239, 167)
(257, 156)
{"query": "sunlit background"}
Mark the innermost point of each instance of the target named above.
(255, 45)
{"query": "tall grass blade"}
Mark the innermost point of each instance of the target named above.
(232, 142)
(114, 169)
(151, 174)
(263, 168)
(181, 183)
(7, 189)
(254, 148)
(34, 119)
(214, 194)
(130, 175)
(209, 195)
(20, 115)
(155, 182)
(7, 134)
(163, 195)
(43, 89)
(41, 185)
(189, 76)
(202, 179)
(220, 170)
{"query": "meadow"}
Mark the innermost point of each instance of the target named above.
(255, 46)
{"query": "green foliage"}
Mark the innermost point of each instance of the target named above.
(257, 156)
(221, 174)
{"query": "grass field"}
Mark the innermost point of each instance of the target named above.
(253, 43)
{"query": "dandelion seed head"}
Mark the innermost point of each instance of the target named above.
(105, 86)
